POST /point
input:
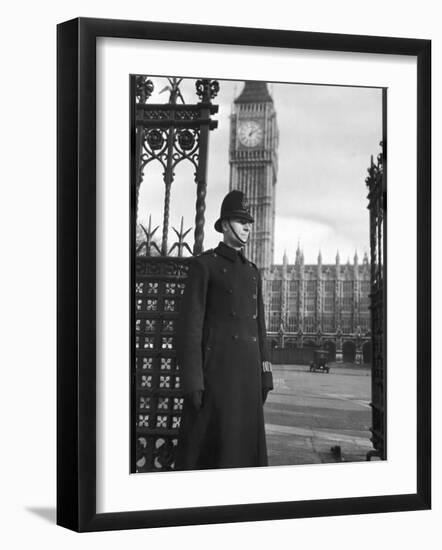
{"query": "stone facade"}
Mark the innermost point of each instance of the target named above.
(320, 305)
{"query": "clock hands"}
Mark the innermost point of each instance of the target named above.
(250, 133)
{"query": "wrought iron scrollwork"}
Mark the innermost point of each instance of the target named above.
(171, 133)
(186, 115)
(154, 147)
(186, 140)
(206, 89)
(144, 89)
(155, 139)
(186, 147)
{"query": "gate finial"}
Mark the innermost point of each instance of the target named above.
(180, 244)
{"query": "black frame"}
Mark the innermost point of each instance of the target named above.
(76, 274)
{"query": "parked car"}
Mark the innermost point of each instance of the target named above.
(319, 363)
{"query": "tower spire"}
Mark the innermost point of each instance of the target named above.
(254, 92)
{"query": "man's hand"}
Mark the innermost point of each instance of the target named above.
(266, 366)
(196, 398)
(267, 379)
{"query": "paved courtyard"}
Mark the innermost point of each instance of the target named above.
(309, 413)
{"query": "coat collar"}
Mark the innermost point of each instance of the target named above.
(229, 253)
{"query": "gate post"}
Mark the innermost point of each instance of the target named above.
(376, 205)
(168, 134)
(206, 90)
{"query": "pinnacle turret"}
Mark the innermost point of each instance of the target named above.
(298, 254)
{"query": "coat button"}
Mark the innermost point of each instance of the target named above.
(253, 338)
(235, 337)
(233, 313)
(255, 316)
(254, 296)
(223, 270)
(230, 291)
(254, 278)
(215, 255)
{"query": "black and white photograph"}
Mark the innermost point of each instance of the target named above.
(219, 276)
(258, 309)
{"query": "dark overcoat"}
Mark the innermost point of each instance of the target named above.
(221, 344)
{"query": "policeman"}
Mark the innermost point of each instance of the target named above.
(222, 352)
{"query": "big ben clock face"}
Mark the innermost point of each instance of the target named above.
(250, 133)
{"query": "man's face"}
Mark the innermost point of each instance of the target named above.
(236, 231)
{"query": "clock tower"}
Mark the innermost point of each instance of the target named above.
(254, 165)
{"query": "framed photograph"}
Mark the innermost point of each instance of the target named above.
(241, 335)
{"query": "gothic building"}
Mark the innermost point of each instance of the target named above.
(306, 305)
(320, 305)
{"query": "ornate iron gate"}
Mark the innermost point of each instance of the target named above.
(168, 133)
(377, 201)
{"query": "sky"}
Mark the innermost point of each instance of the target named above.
(327, 135)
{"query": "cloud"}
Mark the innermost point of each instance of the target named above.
(314, 236)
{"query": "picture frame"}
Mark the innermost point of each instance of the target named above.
(77, 461)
